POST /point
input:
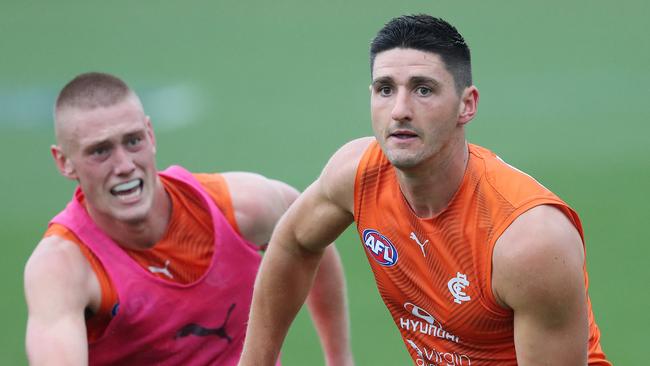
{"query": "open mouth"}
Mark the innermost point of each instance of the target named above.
(403, 135)
(128, 189)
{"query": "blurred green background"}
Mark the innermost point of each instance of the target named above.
(277, 86)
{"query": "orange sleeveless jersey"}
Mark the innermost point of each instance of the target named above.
(188, 243)
(434, 274)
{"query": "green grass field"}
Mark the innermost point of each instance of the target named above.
(276, 86)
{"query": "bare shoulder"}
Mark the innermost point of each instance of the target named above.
(346, 159)
(337, 179)
(258, 202)
(57, 269)
(539, 258)
(59, 286)
(538, 272)
(246, 186)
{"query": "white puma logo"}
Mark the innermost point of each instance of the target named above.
(414, 237)
(164, 270)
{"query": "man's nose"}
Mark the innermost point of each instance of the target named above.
(123, 163)
(402, 110)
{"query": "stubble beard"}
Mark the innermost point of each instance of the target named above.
(405, 160)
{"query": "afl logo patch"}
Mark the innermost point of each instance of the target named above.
(379, 247)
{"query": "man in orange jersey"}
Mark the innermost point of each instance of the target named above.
(145, 267)
(477, 262)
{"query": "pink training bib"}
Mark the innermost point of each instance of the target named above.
(164, 323)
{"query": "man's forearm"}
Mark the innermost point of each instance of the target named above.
(327, 303)
(284, 279)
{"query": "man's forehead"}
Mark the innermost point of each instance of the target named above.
(65, 114)
(406, 61)
(80, 125)
(104, 132)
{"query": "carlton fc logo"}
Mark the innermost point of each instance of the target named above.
(379, 247)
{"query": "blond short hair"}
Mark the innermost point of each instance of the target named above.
(93, 90)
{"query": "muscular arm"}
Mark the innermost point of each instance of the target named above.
(318, 217)
(58, 287)
(259, 203)
(327, 303)
(538, 273)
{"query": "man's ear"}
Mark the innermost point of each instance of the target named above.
(468, 105)
(65, 166)
(152, 136)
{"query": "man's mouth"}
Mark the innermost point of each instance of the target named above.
(402, 135)
(128, 189)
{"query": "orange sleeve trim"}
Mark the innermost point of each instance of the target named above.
(359, 181)
(216, 186)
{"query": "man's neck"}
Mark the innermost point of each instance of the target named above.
(430, 187)
(142, 234)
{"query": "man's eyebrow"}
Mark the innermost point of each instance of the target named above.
(415, 80)
(382, 80)
(96, 144)
(107, 141)
(140, 131)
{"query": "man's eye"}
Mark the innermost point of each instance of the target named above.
(99, 151)
(385, 91)
(133, 141)
(423, 91)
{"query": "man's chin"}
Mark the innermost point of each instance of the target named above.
(134, 220)
(131, 215)
(404, 161)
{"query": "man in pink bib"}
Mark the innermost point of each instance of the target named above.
(153, 268)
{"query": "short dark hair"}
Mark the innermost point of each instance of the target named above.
(423, 32)
(92, 90)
